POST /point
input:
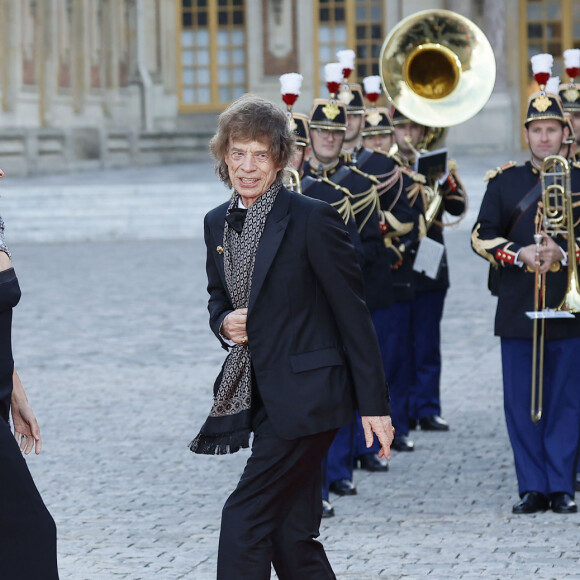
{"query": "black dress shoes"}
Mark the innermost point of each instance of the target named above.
(342, 487)
(402, 443)
(531, 502)
(327, 509)
(562, 503)
(372, 462)
(433, 423)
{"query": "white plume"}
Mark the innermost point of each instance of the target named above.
(542, 63)
(372, 84)
(572, 58)
(346, 58)
(333, 72)
(291, 83)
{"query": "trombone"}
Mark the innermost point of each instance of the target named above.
(558, 219)
(539, 325)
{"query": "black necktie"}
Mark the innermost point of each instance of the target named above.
(236, 218)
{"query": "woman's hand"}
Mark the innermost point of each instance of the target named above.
(26, 429)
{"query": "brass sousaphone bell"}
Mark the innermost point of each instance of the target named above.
(438, 68)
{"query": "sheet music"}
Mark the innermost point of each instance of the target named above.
(548, 313)
(428, 258)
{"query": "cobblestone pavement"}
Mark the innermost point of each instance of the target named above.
(112, 343)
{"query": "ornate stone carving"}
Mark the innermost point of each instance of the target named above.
(279, 36)
(277, 6)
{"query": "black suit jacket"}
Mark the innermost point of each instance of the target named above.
(314, 351)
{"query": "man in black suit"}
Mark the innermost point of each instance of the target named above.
(286, 300)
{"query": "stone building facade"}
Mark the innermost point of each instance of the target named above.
(89, 83)
(101, 83)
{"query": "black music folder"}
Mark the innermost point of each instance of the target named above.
(432, 164)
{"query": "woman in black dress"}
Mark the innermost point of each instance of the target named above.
(27, 530)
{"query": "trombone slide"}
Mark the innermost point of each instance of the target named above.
(537, 393)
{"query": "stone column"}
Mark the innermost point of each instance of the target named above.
(11, 53)
(139, 74)
(110, 55)
(254, 51)
(495, 30)
(80, 70)
(393, 13)
(306, 58)
(132, 39)
(47, 59)
(168, 40)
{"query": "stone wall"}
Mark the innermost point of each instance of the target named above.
(26, 152)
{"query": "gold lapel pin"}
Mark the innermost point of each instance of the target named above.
(220, 250)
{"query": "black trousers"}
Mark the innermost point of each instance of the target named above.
(273, 515)
(27, 530)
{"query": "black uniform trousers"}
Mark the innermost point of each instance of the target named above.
(27, 530)
(273, 516)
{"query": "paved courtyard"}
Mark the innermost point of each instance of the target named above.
(112, 343)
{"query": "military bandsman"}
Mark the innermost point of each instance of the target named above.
(527, 262)
(447, 196)
(400, 226)
(326, 177)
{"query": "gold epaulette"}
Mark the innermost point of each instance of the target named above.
(346, 156)
(336, 186)
(413, 175)
(576, 164)
(498, 170)
(397, 157)
(372, 178)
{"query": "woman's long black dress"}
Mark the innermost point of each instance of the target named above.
(27, 530)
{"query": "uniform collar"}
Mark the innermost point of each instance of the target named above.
(328, 171)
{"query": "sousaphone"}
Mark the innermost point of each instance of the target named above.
(437, 68)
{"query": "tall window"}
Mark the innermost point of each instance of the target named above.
(550, 26)
(212, 49)
(341, 24)
(369, 36)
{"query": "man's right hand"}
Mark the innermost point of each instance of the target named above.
(550, 252)
(382, 427)
(234, 326)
